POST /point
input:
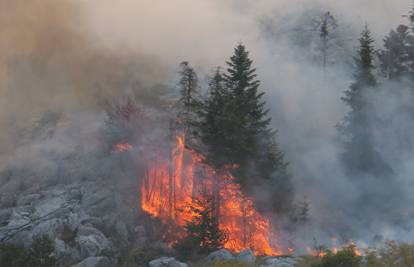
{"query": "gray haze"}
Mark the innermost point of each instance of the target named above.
(68, 55)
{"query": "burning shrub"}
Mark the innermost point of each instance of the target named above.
(203, 232)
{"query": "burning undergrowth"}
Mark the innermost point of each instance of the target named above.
(176, 181)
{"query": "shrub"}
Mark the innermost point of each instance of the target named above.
(344, 258)
(13, 255)
(397, 255)
(68, 235)
(40, 253)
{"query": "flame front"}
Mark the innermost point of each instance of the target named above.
(173, 182)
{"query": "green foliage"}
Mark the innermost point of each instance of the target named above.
(189, 104)
(38, 255)
(344, 258)
(397, 255)
(356, 128)
(393, 254)
(13, 256)
(250, 141)
(68, 235)
(395, 57)
(235, 128)
(215, 120)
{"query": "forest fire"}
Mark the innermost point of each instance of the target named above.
(174, 182)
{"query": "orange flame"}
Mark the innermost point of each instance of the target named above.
(334, 250)
(123, 147)
(170, 187)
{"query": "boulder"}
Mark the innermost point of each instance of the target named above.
(175, 263)
(94, 262)
(246, 256)
(280, 262)
(92, 242)
(166, 262)
(220, 255)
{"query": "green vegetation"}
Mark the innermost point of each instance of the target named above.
(390, 255)
(68, 235)
(38, 255)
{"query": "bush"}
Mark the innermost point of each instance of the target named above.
(13, 255)
(69, 236)
(397, 255)
(40, 253)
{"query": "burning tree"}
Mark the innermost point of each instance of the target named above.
(220, 148)
(203, 231)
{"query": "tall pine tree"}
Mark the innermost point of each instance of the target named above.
(189, 104)
(395, 57)
(236, 130)
(355, 130)
(250, 140)
(214, 121)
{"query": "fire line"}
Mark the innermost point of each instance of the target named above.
(173, 182)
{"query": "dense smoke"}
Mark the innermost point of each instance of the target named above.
(67, 57)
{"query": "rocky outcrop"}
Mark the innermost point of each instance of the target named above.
(220, 255)
(95, 262)
(280, 262)
(166, 262)
(246, 256)
(81, 219)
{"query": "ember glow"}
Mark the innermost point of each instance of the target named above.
(122, 147)
(334, 249)
(174, 181)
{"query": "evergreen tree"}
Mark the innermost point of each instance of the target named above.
(355, 130)
(235, 129)
(396, 57)
(40, 253)
(249, 141)
(203, 232)
(214, 121)
(189, 103)
(327, 25)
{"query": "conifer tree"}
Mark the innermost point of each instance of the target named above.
(396, 58)
(355, 130)
(189, 103)
(250, 142)
(213, 120)
(203, 232)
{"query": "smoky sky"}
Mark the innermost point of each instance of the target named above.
(68, 54)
